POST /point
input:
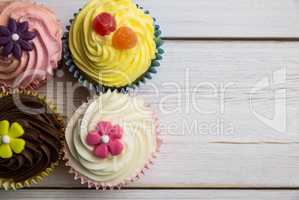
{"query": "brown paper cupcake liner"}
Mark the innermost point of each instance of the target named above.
(9, 184)
(35, 85)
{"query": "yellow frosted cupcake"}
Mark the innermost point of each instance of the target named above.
(112, 43)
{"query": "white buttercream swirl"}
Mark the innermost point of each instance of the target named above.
(139, 138)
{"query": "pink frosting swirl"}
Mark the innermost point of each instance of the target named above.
(37, 65)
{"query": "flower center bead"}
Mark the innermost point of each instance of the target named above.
(15, 37)
(5, 139)
(105, 139)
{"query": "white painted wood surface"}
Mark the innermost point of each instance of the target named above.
(154, 194)
(197, 157)
(244, 153)
(213, 18)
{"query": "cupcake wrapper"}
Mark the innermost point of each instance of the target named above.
(101, 186)
(9, 184)
(34, 85)
(96, 87)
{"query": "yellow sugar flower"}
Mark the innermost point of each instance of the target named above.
(9, 139)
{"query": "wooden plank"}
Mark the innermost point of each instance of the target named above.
(212, 19)
(229, 146)
(156, 194)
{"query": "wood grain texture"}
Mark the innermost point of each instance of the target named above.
(245, 152)
(212, 137)
(154, 194)
(212, 18)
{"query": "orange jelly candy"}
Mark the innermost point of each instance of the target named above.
(124, 38)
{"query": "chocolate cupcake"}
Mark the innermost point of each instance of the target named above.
(112, 44)
(30, 44)
(30, 139)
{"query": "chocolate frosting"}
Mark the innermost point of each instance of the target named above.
(42, 136)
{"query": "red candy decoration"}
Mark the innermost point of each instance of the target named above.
(104, 24)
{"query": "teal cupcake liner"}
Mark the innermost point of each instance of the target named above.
(98, 88)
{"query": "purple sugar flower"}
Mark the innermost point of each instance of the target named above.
(15, 38)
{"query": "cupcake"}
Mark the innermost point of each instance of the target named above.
(111, 140)
(30, 139)
(112, 44)
(30, 44)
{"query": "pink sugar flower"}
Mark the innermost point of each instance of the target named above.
(106, 139)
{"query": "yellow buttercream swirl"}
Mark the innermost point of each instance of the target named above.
(96, 57)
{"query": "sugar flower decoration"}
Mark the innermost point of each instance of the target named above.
(106, 140)
(9, 139)
(15, 38)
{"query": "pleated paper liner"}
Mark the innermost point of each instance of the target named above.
(9, 184)
(106, 186)
(96, 87)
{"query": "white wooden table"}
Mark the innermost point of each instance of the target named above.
(221, 82)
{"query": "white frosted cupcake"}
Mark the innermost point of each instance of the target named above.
(111, 140)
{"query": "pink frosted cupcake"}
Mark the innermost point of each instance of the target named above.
(111, 140)
(30, 44)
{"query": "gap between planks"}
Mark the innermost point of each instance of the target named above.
(172, 188)
(156, 194)
(233, 39)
